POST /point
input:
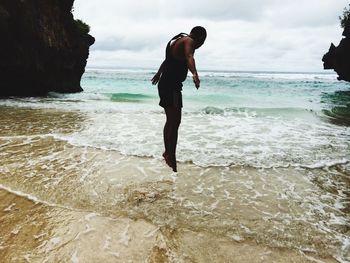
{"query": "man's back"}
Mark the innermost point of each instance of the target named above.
(181, 46)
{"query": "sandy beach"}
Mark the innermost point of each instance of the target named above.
(37, 232)
(63, 203)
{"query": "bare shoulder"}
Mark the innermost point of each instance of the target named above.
(188, 41)
(188, 44)
(183, 47)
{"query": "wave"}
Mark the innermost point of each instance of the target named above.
(77, 97)
(35, 199)
(86, 96)
(273, 75)
(213, 110)
(338, 115)
(268, 162)
(325, 164)
(338, 104)
(129, 97)
(255, 111)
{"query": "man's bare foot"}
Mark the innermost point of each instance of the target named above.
(171, 162)
(174, 168)
(167, 160)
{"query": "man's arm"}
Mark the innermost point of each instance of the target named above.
(156, 77)
(189, 56)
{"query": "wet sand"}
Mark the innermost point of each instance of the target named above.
(63, 203)
(36, 232)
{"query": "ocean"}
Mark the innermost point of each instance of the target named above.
(263, 157)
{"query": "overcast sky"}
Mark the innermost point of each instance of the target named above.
(277, 35)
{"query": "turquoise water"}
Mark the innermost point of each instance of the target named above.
(259, 119)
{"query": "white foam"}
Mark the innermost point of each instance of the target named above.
(325, 163)
(34, 198)
(39, 236)
(27, 196)
(106, 245)
(199, 189)
(151, 233)
(220, 141)
(88, 230)
(74, 257)
(27, 257)
(214, 205)
(307, 76)
(89, 216)
(15, 231)
(310, 258)
(124, 237)
(237, 238)
(55, 240)
(9, 208)
(114, 254)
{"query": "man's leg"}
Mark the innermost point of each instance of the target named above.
(165, 138)
(173, 120)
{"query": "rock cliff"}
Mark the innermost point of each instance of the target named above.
(338, 58)
(42, 47)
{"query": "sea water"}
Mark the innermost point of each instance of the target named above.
(263, 156)
(235, 118)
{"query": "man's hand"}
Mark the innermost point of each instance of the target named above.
(196, 80)
(155, 78)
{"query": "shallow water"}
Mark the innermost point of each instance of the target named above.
(299, 209)
(257, 182)
(257, 119)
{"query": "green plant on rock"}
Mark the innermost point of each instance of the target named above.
(345, 19)
(82, 27)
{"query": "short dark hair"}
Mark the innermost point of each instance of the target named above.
(199, 32)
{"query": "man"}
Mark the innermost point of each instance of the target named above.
(172, 72)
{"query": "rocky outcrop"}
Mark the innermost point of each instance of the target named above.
(42, 48)
(338, 58)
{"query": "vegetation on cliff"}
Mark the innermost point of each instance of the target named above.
(338, 57)
(82, 27)
(345, 18)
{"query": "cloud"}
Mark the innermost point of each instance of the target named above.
(311, 13)
(131, 43)
(221, 10)
(172, 9)
(242, 35)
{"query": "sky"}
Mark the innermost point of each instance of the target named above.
(248, 35)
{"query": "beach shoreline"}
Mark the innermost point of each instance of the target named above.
(37, 232)
(222, 213)
(254, 184)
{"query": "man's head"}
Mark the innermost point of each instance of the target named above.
(198, 34)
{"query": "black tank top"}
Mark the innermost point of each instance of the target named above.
(175, 71)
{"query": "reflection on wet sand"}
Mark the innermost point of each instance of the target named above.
(27, 121)
(64, 203)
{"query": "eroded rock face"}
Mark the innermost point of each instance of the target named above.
(41, 48)
(338, 58)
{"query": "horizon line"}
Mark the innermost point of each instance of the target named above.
(213, 70)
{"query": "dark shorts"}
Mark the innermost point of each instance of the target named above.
(170, 96)
(170, 99)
